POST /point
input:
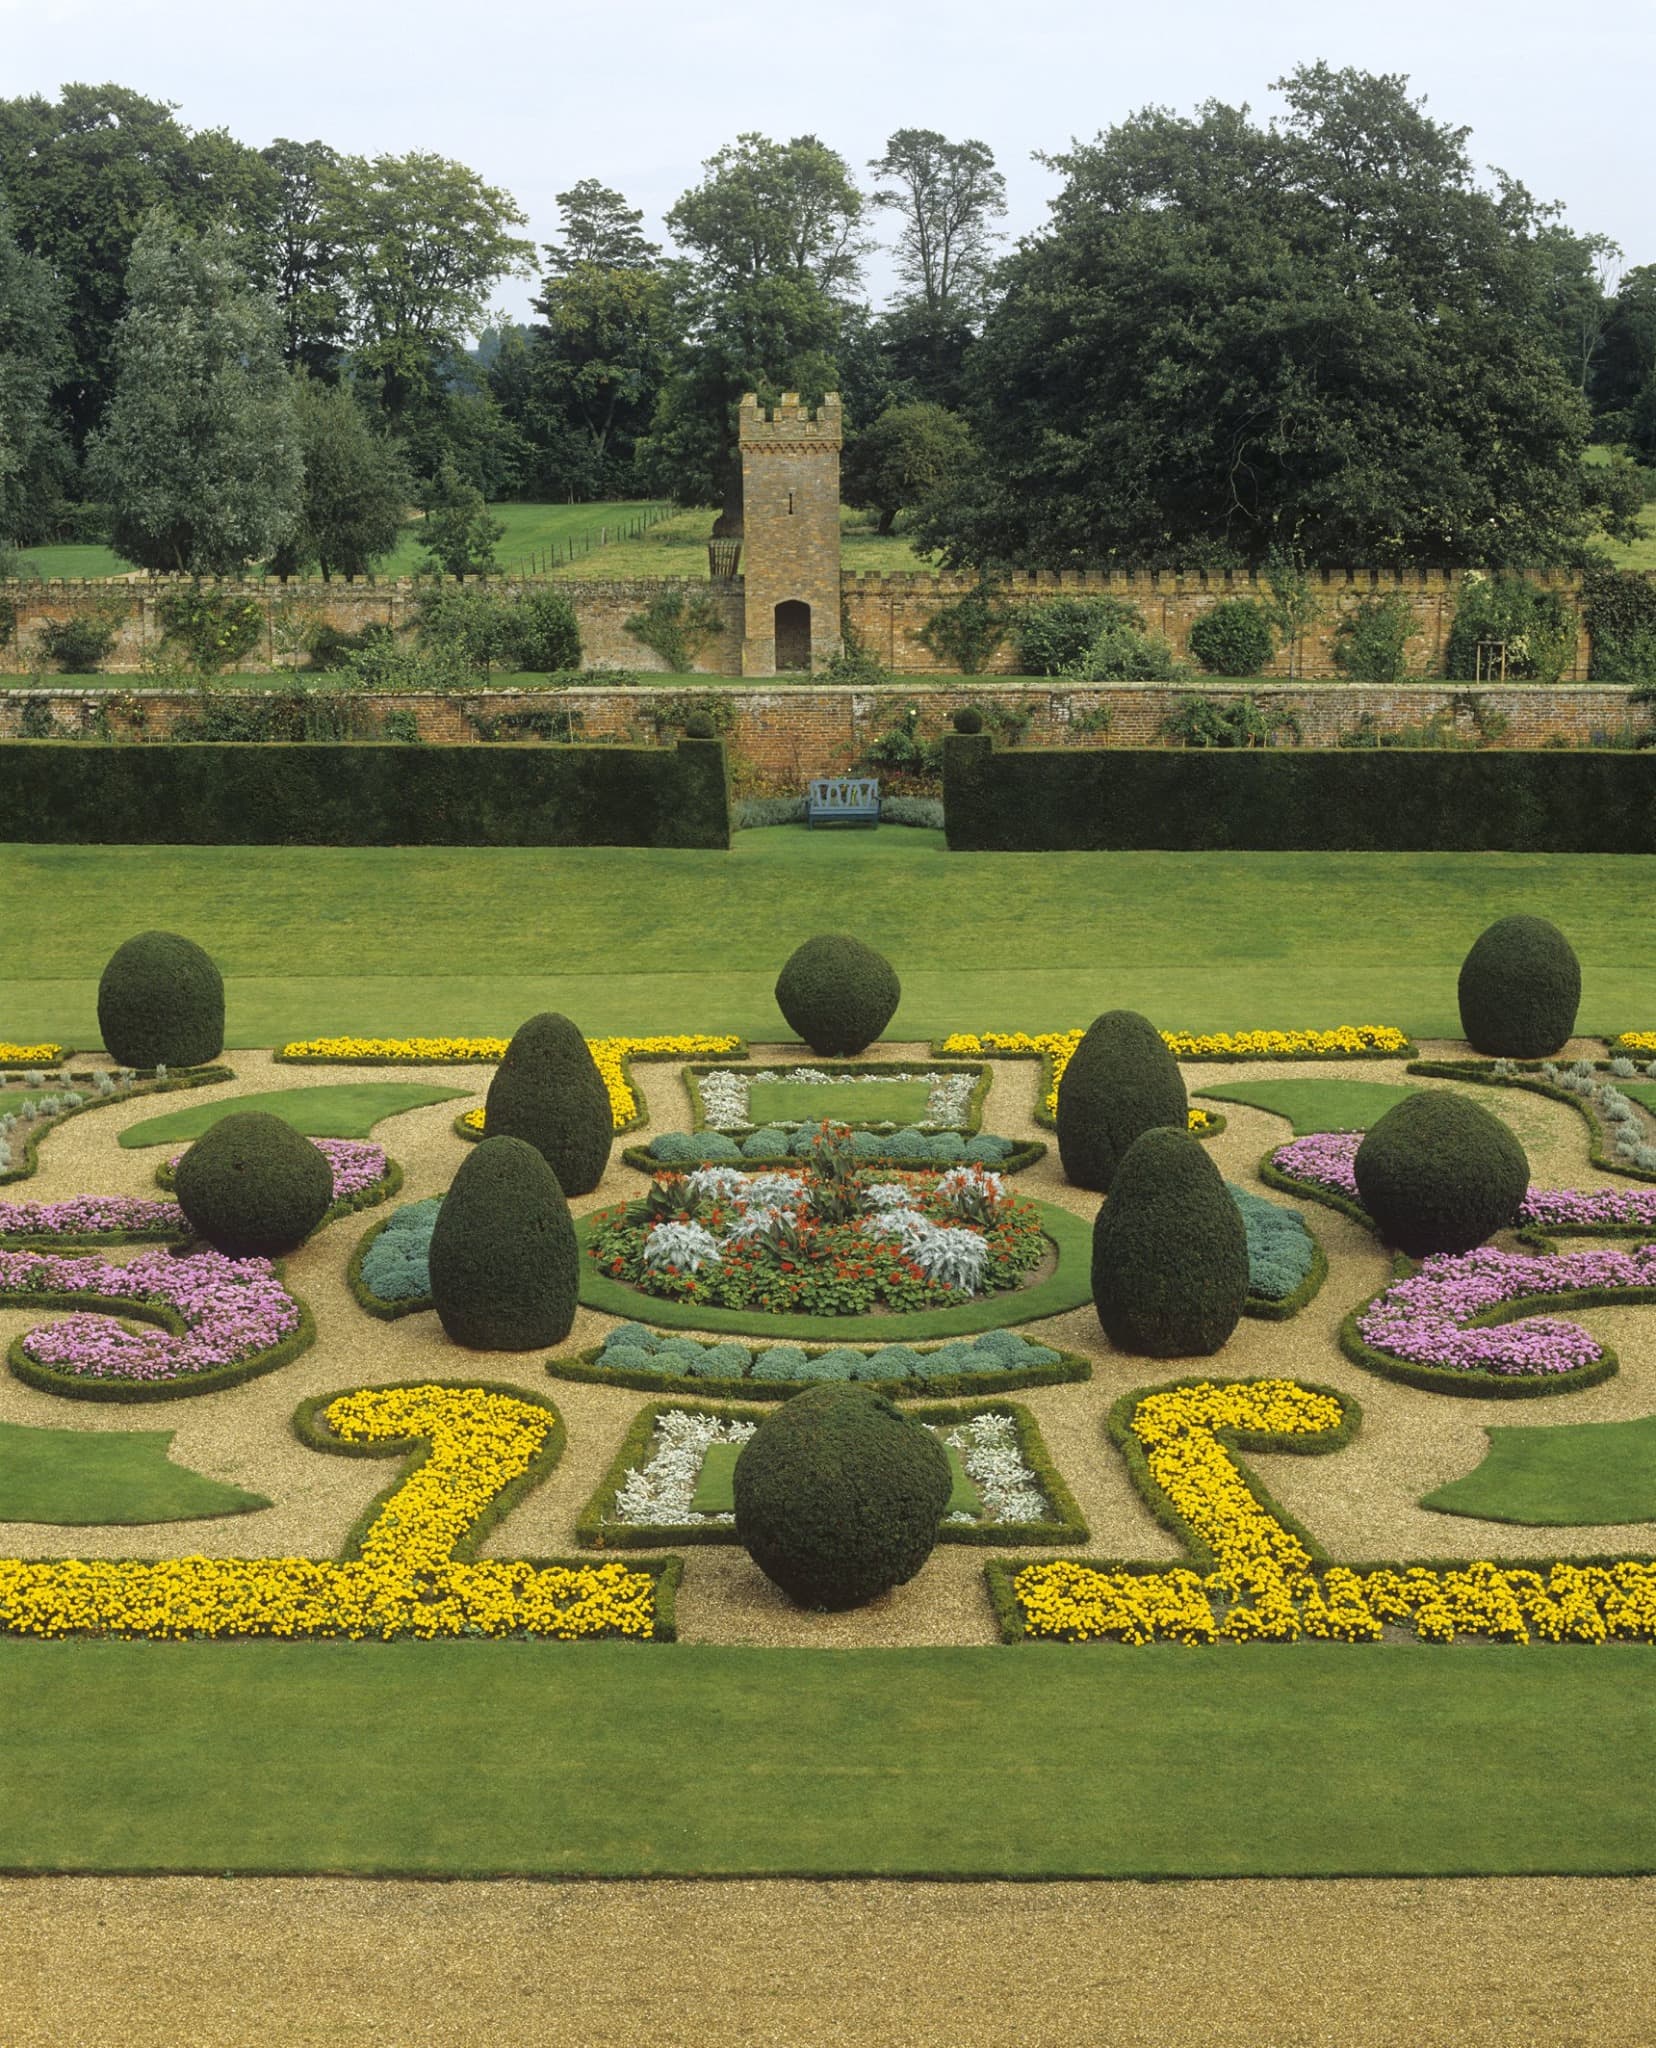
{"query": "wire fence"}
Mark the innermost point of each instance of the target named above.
(573, 547)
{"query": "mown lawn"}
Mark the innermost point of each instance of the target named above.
(387, 940)
(460, 1759)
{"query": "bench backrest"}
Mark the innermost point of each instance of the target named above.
(852, 793)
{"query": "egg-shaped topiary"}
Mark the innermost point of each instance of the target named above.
(548, 1091)
(837, 993)
(161, 1003)
(1520, 987)
(1439, 1174)
(839, 1495)
(252, 1186)
(1170, 1251)
(505, 1266)
(1121, 1081)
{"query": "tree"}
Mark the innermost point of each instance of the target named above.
(1575, 274)
(600, 231)
(459, 533)
(423, 243)
(947, 194)
(902, 457)
(304, 257)
(1320, 334)
(775, 232)
(1625, 370)
(82, 173)
(197, 456)
(35, 465)
(355, 489)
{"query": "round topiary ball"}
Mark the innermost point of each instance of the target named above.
(548, 1091)
(698, 726)
(1120, 1082)
(505, 1265)
(1439, 1174)
(1170, 1251)
(837, 993)
(968, 720)
(1520, 987)
(161, 1003)
(839, 1495)
(252, 1186)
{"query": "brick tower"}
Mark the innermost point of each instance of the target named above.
(790, 534)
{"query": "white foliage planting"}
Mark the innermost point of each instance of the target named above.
(685, 1245)
(659, 1492)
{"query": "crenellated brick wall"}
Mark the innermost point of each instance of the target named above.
(887, 613)
(783, 733)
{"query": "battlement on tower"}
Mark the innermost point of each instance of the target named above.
(790, 422)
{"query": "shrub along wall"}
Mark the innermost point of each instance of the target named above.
(1286, 799)
(57, 792)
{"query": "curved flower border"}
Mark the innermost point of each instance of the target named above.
(1258, 1577)
(409, 1567)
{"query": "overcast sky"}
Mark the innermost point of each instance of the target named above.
(534, 94)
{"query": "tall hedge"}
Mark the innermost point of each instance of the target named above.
(363, 793)
(505, 1265)
(1030, 800)
(161, 1003)
(1121, 1081)
(1170, 1252)
(548, 1091)
(1519, 989)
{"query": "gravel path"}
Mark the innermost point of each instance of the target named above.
(1360, 1502)
(217, 1963)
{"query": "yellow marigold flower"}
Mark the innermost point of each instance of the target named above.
(29, 1055)
(404, 1580)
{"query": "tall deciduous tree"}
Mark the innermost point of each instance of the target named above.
(947, 196)
(197, 456)
(356, 488)
(423, 243)
(775, 233)
(81, 173)
(903, 456)
(1319, 334)
(303, 263)
(35, 464)
(600, 230)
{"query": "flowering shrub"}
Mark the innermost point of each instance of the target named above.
(405, 1580)
(828, 1241)
(1265, 1584)
(215, 1313)
(91, 1216)
(611, 1056)
(29, 1055)
(1349, 1041)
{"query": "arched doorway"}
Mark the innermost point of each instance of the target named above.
(793, 635)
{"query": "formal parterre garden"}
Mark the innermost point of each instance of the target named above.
(1073, 1343)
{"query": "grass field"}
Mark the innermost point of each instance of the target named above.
(387, 940)
(675, 546)
(349, 1109)
(73, 1477)
(615, 1760)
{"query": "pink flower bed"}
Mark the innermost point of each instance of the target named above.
(1328, 1159)
(1424, 1319)
(357, 1166)
(231, 1309)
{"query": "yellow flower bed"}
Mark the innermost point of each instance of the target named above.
(405, 1580)
(1058, 1047)
(29, 1055)
(1626, 1041)
(1265, 1587)
(611, 1056)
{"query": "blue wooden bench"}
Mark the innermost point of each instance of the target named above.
(842, 800)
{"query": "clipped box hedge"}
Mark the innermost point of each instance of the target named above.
(1293, 799)
(364, 794)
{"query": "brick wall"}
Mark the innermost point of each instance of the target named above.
(887, 613)
(784, 733)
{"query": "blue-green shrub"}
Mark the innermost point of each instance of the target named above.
(1280, 1248)
(396, 1266)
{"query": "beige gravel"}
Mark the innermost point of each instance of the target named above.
(1360, 1502)
(215, 1963)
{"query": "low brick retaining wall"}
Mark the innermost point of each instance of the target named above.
(789, 732)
